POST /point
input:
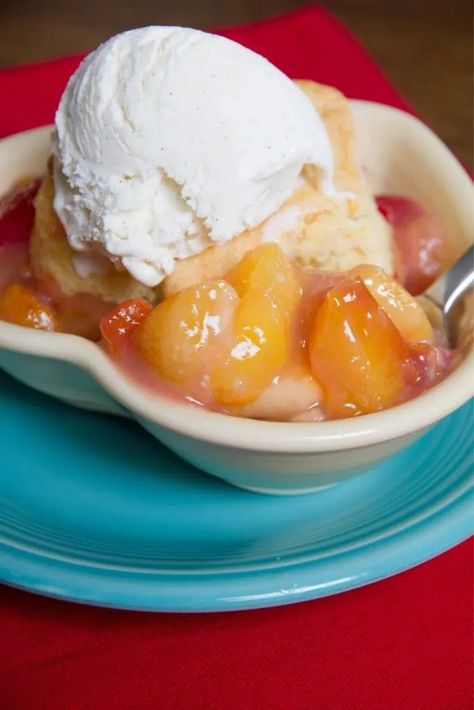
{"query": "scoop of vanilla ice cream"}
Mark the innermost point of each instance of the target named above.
(170, 139)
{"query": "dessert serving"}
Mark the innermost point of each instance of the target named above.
(205, 219)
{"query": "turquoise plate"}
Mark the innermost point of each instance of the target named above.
(92, 509)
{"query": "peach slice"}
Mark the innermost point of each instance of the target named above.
(356, 352)
(406, 314)
(266, 282)
(266, 269)
(20, 306)
(183, 335)
(259, 349)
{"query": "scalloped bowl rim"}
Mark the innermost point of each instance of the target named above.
(248, 434)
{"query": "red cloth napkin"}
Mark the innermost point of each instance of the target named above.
(402, 643)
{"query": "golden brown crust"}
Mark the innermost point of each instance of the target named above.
(335, 111)
(212, 263)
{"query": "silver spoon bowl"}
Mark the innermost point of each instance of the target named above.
(444, 301)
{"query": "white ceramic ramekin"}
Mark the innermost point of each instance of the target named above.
(401, 156)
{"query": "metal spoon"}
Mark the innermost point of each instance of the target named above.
(442, 299)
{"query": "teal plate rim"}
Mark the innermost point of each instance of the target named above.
(231, 592)
(422, 532)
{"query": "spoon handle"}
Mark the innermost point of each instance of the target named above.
(454, 283)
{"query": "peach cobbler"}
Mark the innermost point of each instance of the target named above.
(206, 221)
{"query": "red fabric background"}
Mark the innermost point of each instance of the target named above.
(402, 643)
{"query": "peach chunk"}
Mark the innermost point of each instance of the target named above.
(183, 335)
(118, 325)
(20, 306)
(293, 393)
(406, 314)
(269, 290)
(259, 349)
(356, 352)
(267, 270)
